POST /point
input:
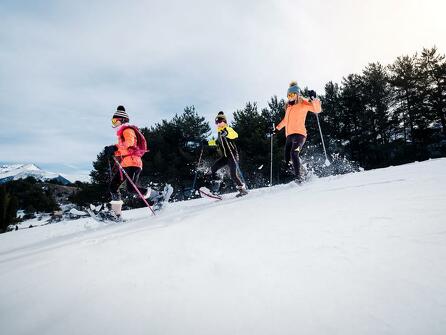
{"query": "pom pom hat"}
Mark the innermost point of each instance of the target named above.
(293, 88)
(220, 117)
(120, 113)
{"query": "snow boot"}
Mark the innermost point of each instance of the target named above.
(242, 191)
(116, 206)
(298, 181)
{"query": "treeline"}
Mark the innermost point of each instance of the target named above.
(387, 115)
(27, 194)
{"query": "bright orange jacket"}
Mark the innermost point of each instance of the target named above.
(125, 141)
(295, 115)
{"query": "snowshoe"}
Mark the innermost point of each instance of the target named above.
(101, 213)
(206, 193)
(158, 200)
(216, 185)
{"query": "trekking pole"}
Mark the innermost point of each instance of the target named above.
(235, 161)
(109, 171)
(196, 168)
(133, 184)
(271, 165)
(327, 162)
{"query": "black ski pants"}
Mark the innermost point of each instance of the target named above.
(118, 178)
(293, 147)
(223, 161)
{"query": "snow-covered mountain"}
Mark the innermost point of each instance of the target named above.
(363, 253)
(22, 171)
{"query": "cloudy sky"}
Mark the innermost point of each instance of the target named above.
(66, 65)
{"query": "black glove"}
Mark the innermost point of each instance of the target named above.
(110, 150)
(204, 142)
(312, 94)
(275, 131)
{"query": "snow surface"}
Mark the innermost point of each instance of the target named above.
(73, 177)
(363, 253)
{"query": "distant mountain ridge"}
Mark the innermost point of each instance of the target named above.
(22, 171)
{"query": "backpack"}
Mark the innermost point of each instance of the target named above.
(141, 144)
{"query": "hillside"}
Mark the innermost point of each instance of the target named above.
(22, 171)
(363, 253)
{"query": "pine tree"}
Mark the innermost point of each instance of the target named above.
(353, 127)
(174, 148)
(273, 114)
(433, 73)
(8, 208)
(253, 144)
(404, 78)
(377, 98)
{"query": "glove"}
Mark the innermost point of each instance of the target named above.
(312, 94)
(275, 131)
(224, 132)
(204, 142)
(110, 150)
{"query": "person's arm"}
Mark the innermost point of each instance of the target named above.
(313, 105)
(232, 134)
(228, 132)
(282, 123)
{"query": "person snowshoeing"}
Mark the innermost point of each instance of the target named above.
(229, 154)
(296, 110)
(128, 151)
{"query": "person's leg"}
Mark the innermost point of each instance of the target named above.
(134, 173)
(115, 182)
(287, 151)
(152, 196)
(219, 163)
(211, 179)
(297, 141)
(234, 173)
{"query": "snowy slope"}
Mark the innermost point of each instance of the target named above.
(22, 171)
(363, 253)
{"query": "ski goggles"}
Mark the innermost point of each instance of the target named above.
(115, 121)
(291, 95)
(219, 120)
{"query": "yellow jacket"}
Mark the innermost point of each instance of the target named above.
(226, 141)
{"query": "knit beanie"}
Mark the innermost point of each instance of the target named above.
(293, 88)
(220, 117)
(121, 113)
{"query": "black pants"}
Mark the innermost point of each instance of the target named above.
(118, 178)
(293, 147)
(221, 162)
